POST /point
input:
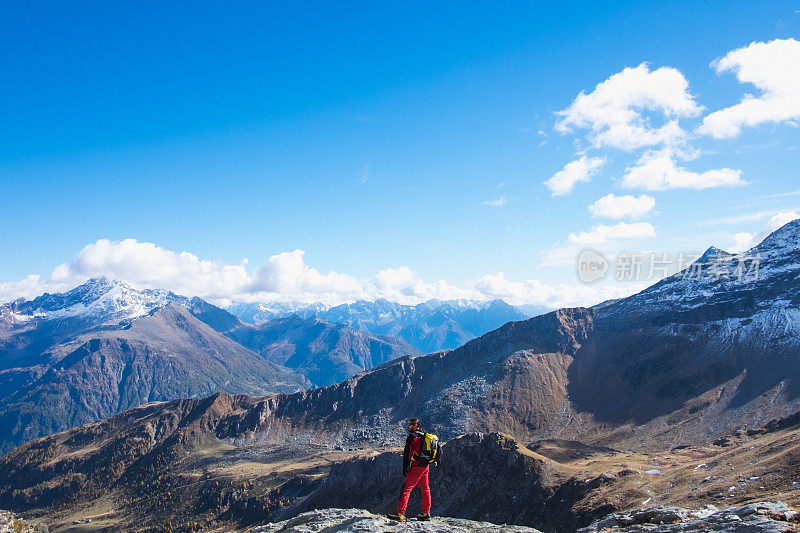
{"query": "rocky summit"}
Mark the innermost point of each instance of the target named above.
(761, 517)
(343, 520)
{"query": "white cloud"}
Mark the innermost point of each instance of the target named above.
(146, 264)
(602, 234)
(615, 112)
(284, 277)
(744, 241)
(573, 172)
(500, 202)
(604, 238)
(404, 285)
(288, 273)
(536, 292)
(657, 171)
(611, 206)
(28, 288)
(774, 68)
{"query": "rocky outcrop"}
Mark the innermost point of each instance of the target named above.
(343, 520)
(762, 517)
(766, 517)
(11, 524)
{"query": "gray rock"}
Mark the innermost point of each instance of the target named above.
(353, 520)
(767, 517)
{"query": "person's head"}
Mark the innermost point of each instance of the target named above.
(413, 425)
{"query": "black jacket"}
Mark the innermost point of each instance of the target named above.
(408, 461)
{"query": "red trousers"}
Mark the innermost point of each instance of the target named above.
(416, 475)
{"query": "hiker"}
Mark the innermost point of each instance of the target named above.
(421, 450)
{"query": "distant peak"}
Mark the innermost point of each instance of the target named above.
(713, 254)
(101, 281)
(94, 288)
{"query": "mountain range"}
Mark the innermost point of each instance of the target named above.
(323, 352)
(429, 326)
(695, 379)
(103, 347)
(699, 354)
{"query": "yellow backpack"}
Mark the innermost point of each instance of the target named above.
(430, 449)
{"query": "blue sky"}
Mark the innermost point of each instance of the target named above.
(374, 138)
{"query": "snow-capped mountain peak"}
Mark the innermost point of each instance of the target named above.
(713, 254)
(765, 277)
(100, 299)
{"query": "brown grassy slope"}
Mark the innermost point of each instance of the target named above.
(162, 466)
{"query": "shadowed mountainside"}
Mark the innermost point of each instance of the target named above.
(164, 466)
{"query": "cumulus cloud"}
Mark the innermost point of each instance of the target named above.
(288, 273)
(146, 264)
(554, 296)
(617, 112)
(744, 241)
(774, 69)
(582, 169)
(28, 288)
(612, 206)
(658, 171)
(284, 277)
(404, 285)
(606, 238)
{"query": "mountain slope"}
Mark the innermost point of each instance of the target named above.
(164, 355)
(68, 359)
(323, 352)
(164, 465)
(684, 361)
(687, 362)
(29, 328)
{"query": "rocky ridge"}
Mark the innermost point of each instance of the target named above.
(342, 520)
(761, 517)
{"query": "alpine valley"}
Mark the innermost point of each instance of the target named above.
(686, 394)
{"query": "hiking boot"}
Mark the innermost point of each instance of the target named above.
(424, 517)
(397, 517)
